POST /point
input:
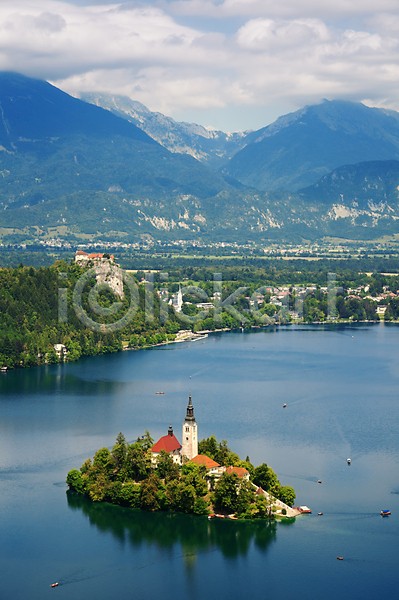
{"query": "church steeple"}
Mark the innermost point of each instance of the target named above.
(189, 433)
(190, 411)
(170, 430)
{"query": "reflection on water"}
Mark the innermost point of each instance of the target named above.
(166, 529)
(54, 379)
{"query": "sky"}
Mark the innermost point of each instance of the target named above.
(228, 64)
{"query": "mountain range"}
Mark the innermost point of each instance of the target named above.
(207, 145)
(112, 168)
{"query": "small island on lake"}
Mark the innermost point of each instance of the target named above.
(204, 478)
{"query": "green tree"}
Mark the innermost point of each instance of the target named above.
(149, 493)
(138, 462)
(265, 478)
(166, 467)
(145, 441)
(200, 507)
(225, 494)
(287, 495)
(74, 480)
(246, 496)
(119, 452)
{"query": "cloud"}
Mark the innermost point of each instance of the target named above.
(325, 9)
(275, 55)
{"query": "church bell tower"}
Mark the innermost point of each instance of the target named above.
(190, 435)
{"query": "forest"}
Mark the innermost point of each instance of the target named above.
(30, 324)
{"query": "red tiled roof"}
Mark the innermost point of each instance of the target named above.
(201, 459)
(167, 443)
(94, 255)
(239, 471)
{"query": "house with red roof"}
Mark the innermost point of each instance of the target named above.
(239, 471)
(212, 466)
(168, 443)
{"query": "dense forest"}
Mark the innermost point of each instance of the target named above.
(126, 475)
(30, 324)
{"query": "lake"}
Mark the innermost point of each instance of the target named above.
(340, 385)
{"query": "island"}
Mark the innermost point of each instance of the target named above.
(203, 478)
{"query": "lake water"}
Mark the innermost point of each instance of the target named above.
(341, 390)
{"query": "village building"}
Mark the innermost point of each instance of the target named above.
(239, 471)
(60, 350)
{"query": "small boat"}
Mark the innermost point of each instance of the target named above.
(348, 460)
(319, 514)
(284, 406)
(340, 557)
(53, 584)
(159, 392)
(385, 513)
(212, 516)
(319, 481)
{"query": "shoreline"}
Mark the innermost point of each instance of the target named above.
(193, 337)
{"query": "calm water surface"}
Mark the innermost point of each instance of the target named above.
(341, 390)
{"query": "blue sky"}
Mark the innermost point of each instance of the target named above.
(228, 64)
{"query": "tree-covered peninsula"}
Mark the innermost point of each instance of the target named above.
(32, 330)
(127, 475)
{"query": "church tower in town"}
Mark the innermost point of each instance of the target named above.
(190, 435)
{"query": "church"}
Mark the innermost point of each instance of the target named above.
(189, 447)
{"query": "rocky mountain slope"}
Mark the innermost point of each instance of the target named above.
(209, 146)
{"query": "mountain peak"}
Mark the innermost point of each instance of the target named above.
(32, 109)
(299, 148)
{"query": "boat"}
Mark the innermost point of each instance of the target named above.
(212, 516)
(319, 514)
(340, 557)
(159, 392)
(284, 405)
(348, 460)
(319, 481)
(385, 513)
(303, 509)
(53, 584)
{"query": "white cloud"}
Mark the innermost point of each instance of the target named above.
(337, 10)
(277, 54)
